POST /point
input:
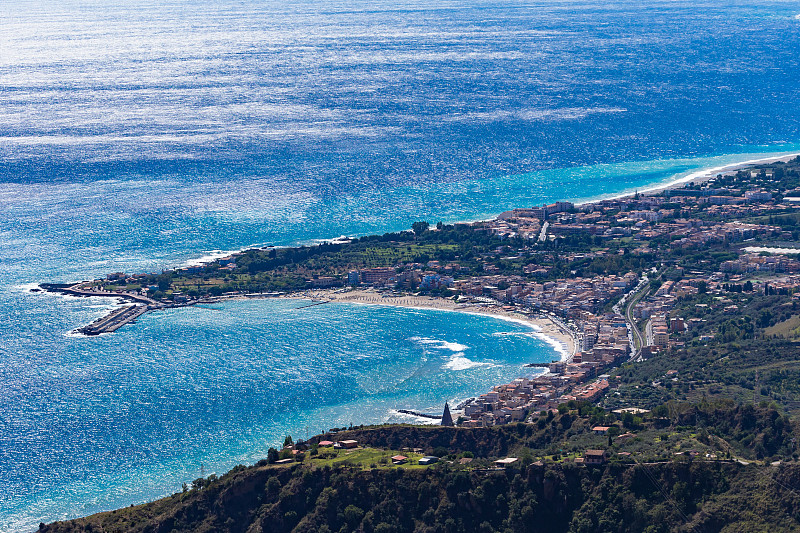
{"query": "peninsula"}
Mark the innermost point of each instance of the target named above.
(602, 280)
(675, 404)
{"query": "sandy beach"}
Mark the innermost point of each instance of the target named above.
(549, 330)
(700, 176)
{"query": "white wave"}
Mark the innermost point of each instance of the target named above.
(453, 346)
(210, 257)
(26, 287)
(77, 335)
(527, 334)
(560, 347)
(459, 362)
(557, 345)
(440, 344)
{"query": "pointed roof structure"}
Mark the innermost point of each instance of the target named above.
(447, 419)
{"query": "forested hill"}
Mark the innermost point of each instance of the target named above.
(660, 497)
(669, 478)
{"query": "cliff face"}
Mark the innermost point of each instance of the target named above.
(660, 497)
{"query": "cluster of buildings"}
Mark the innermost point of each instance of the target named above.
(647, 217)
(657, 331)
(603, 339)
(523, 397)
(538, 213)
(782, 285)
(748, 263)
(726, 232)
(571, 379)
(572, 298)
(410, 276)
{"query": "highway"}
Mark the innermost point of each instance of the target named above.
(630, 300)
(638, 341)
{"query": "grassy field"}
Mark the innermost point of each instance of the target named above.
(788, 329)
(362, 457)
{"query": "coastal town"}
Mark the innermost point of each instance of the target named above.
(604, 279)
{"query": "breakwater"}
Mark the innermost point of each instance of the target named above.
(417, 413)
(73, 290)
(116, 318)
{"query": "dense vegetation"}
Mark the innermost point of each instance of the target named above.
(468, 250)
(688, 475)
(671, 496)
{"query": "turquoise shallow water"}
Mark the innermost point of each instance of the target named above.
(120, 418)
(139, 136)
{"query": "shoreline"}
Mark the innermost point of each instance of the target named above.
(544, 328)
(561, 340)
(548, 330)
(698, 177)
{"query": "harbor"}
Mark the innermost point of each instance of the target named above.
(117, 317)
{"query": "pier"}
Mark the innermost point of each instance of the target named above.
(114, 320)
(416, 413)
(313, 304)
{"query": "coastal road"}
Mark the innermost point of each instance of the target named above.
(80, 291)
(634, 297)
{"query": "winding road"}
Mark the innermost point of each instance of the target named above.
(630, 301)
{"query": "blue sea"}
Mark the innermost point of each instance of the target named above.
(140, 136)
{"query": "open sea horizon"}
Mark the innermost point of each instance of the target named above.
(141, 136)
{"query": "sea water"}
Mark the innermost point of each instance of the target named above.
(101, 422)
(138, 136)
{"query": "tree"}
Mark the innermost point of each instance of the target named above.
(440, 451)
(420, 227)
(288, 441)
(272, 455)
(353, 515)
(273, 485)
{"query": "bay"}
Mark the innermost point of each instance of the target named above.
(139, 136)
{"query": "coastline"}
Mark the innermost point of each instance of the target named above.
(545, 328)
(551, 332)
(555, 334)
(697, 177)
